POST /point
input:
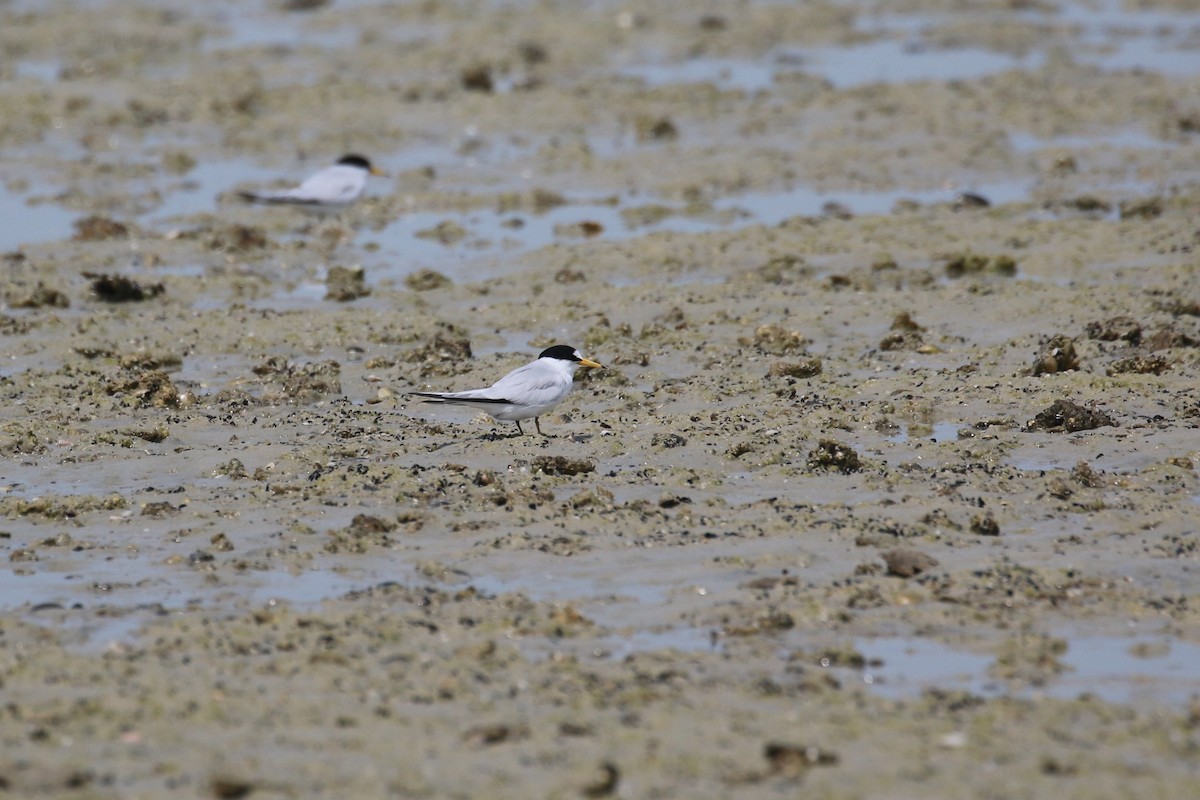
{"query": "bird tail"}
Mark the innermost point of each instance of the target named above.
(430, 397)
(470, 397)
(275, 198)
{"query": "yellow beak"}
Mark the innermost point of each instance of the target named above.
(379, 173)
(587, 362)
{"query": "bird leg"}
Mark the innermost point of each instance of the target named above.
(537, 424)
(519, 431)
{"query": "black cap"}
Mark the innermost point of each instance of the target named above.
(353, 160)
(561, 351)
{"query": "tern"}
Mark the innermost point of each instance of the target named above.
(527, 391)
(334, 187)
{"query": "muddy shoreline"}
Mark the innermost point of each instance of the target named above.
(888, 488)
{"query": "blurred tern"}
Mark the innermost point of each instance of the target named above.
(334, 187)
(527, 391)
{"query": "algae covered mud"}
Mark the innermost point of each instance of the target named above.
(888, 489)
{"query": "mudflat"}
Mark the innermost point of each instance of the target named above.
(887, 489)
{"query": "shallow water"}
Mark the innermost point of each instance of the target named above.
(1139, 669)
(26, 224)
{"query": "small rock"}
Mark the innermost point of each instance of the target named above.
(904, 562)
(119, 289)
(561, 465)
(1142, 208)
(649, 129)
(605, 782)
(343, 284)
(159, 509)
(477, 78)
(424, 280)
(985, 525)
(667, 440)
(794, 760)
(237, 239)
(904, 322)
(673, 500)
(968, 200)
(155, 434)
(368, 525)
(568, 275)
(151, 388)
(200, 557)
(1139, 365)
(447, 232)
(226, 788)
(533, 52)
(805, 368)
(829, 454)
(739, 449)
(1168, 338)
(233, 468)
(901, 340)
(97, 228)
(1118, 328)
(1057, 487)
(1068, 417)
(1084, 475)
(1057, 356)
(777, 340)
(494, 733)
(975, 264)
(835, 210)
(41, 297)
(1089, 204)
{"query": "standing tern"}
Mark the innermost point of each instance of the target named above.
(334, 187)
(527, 391)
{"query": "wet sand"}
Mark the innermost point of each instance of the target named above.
(888, 488)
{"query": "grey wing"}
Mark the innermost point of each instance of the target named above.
(531, 385)
(332, 185)
(477, 395)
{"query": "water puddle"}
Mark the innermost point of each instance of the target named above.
(1128, 671)
(1108, 35)
(81, 604)
(451, 242)
(1121, 140)
(891, 61)
(1115, 669)
(903, 668)
(197, 192)
(723, 73)
(46, 71)
(278, 30)
(938, 432)
(414, 240)
(1121, 37)
(22, 224)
